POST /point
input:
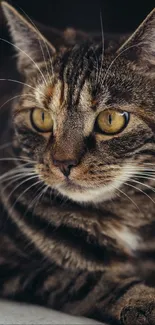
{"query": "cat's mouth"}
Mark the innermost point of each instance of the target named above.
(69, 184)
(80, 189)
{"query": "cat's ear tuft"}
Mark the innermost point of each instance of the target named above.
(29, 43)
(140, 47)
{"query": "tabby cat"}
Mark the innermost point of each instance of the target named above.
(77, 174)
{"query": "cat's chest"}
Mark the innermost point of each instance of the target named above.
(82, 238)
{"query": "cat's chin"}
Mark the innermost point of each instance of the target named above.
(87, 195)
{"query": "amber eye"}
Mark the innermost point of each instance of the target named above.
(111, 122)
(41, 120)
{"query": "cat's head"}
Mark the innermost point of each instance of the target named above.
(86, 115)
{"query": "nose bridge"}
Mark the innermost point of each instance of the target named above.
(68, 144)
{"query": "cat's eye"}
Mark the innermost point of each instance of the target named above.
(111, 122)
(41, 120)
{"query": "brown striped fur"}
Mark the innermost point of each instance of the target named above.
(83, 244)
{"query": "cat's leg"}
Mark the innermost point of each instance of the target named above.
(102, 296)
(134, 306)
(137, 307)
(113, 299)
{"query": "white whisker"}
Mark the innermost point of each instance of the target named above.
(10, 99)
(118, 189)
(16, 170)
(19, 49)
(111, 64)
(25, 191)
(102, 55)
(26, 180)
(146, 177)
(141, 175)
(15, 178)
(41, 47)
(138, 189)
(17, 174)
(22, 83)
(143, 184)
(38, 197)
(95, 65)
(15, 159)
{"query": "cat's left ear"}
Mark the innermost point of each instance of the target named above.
(30, 44)
(140, 47)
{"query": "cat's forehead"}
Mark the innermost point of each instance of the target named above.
(58, 97)
(77, 79)
(86, 78)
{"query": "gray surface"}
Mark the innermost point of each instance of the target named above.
(21, 314)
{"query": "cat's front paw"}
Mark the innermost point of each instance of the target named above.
(140, 312)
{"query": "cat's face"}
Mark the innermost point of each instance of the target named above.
(86, 118)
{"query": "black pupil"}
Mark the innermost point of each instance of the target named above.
(110, 119)
(43, 116)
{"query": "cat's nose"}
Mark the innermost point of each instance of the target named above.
(65, 165)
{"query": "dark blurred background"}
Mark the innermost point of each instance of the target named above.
(118, 15)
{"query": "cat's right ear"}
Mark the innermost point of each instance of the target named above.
(140, 46)
(30, 44)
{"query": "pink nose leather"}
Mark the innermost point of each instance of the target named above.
(65, 165)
